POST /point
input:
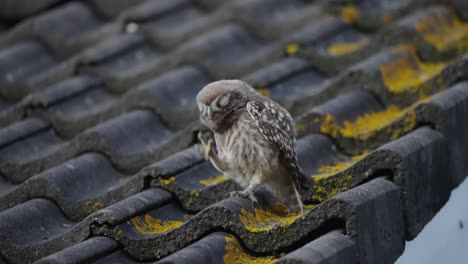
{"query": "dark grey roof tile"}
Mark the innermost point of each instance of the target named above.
(197, 187)
(286, 80)
(74, 114)
(127, 53)
(172, 95)
(22, 158)
(170, 25)
(10, 112)
(45, 230)
(73, 26)
(84, 20)
(452, 106)
(347, 119)
(288, 90)
(319, 146)
(331, 248)
(396, 75)
(231, 48)
(117, 257)
(176, 163)
(422, 154)
(131, 140)
(128, 208)
(312, 33)
(276, 72)
(20, 130)
(61, 91)
(73, 105)
(14, 59)
(461, 8)
(274, 19)
(79, 186)
(35, 229)
(372, 15)
(331, 45)
(210, 249)
(435, 31)
(121, 131)
(114, 46)
(82, 252)
(211, 4)
(336, 52)
(13, 10)
(6, 186)
(4, 104)
(236, 215)
(20, 64)
(150, 9)
(348, 106)
(112, 8)
(227, 51)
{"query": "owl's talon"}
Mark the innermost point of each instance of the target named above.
(248, 194)
(233, 194)
(206, 145)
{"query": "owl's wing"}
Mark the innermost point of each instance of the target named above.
(277, 126)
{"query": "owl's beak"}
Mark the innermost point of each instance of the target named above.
(210, 113)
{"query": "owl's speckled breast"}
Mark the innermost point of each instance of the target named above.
(246, 151)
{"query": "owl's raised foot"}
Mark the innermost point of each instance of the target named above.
(207, 145)
(247, 193)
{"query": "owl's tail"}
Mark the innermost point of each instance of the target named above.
(294, 202)
(289, 197)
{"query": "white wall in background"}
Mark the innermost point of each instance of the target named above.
(444, 239)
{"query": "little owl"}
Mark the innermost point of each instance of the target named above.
(255, 140)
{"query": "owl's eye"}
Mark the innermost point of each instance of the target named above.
(223, 101)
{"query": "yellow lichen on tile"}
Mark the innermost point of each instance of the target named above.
(194, 193)
(167, 181)
(444, 32)
(94, 206)
(329, 170)
(151, 226)
(387, 18)
(264, 92)
(405, 73)
(365, 126)
(291, 49)
(214, 180)
(329, 126)
(300, 128)
(235, 254)
(327, 187)
(409, 123)
(262, 220)
(328, 183)
(350, 14)
(339, 49)
(118, 233)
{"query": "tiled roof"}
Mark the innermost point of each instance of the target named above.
(98, 122)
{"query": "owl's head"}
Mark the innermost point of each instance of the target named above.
(219, 102)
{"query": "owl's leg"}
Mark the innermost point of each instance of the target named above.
(247, 193)
(210, 154)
